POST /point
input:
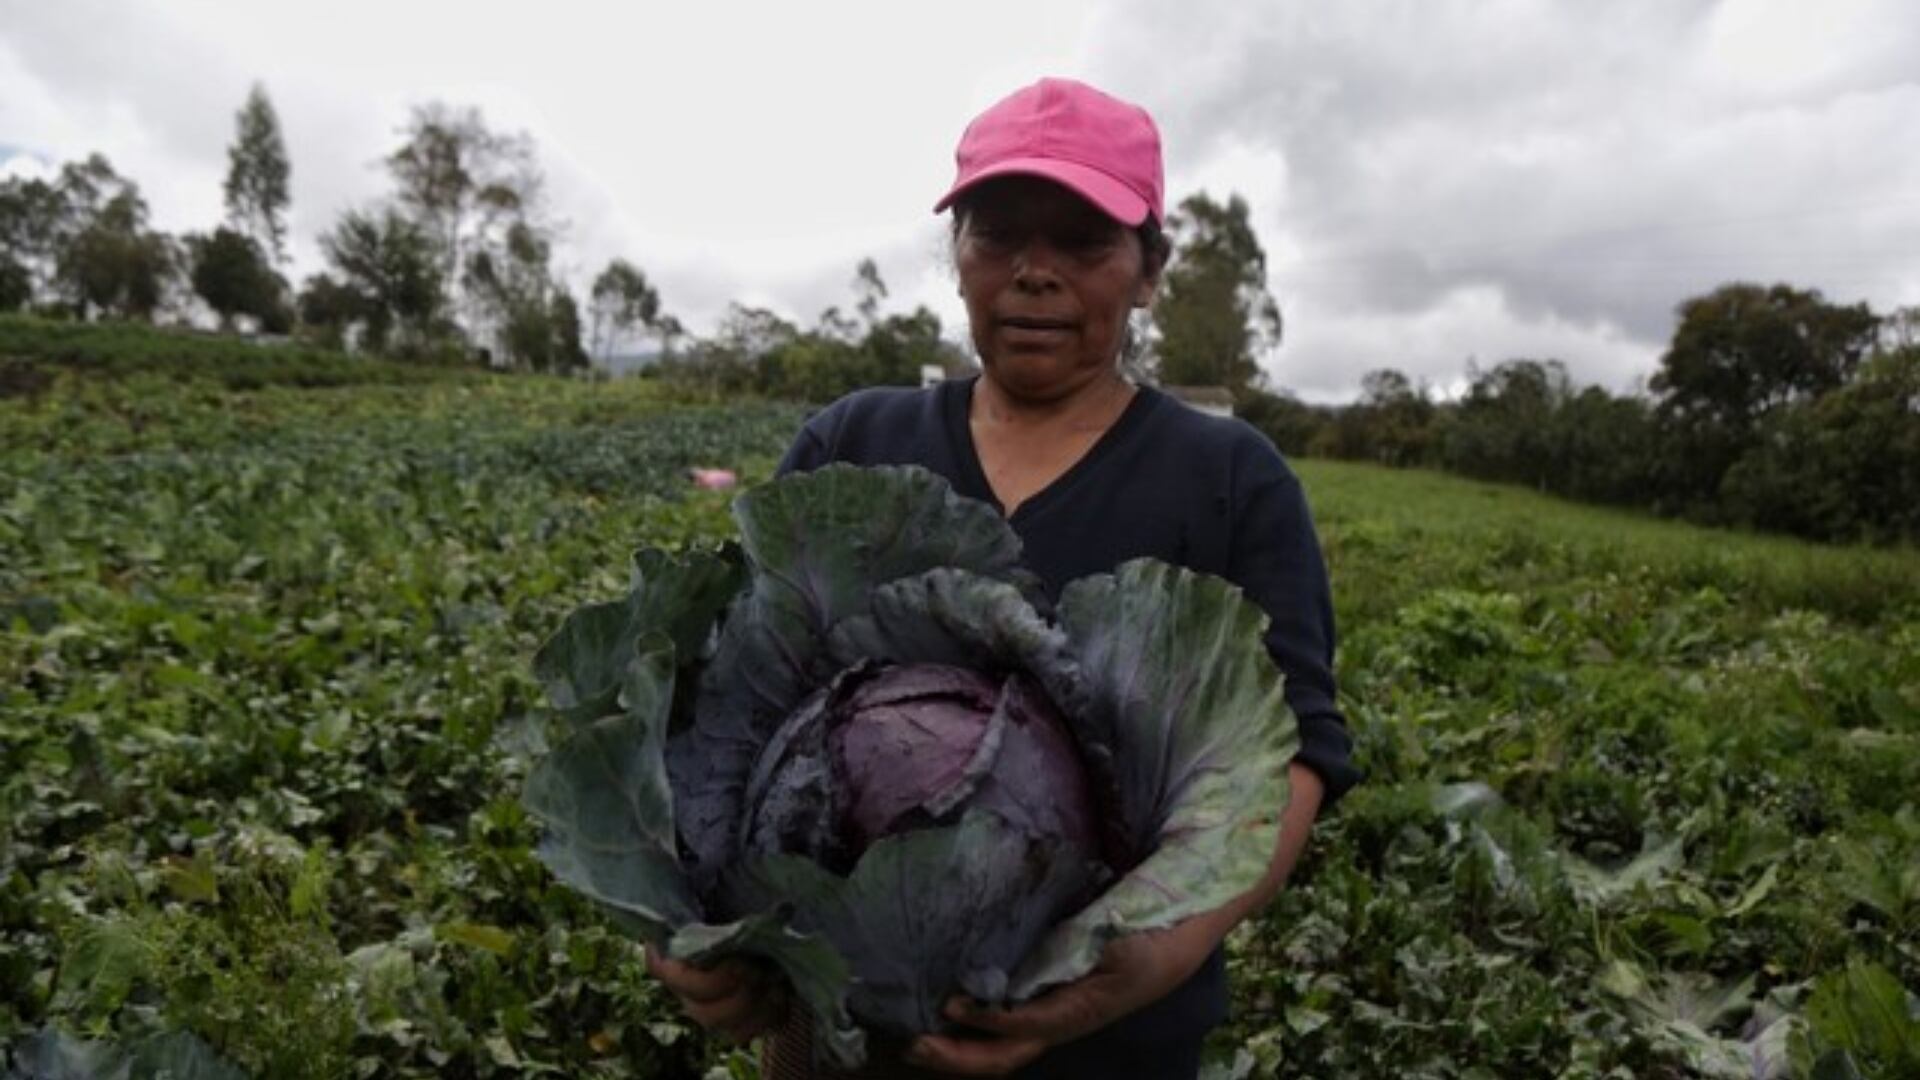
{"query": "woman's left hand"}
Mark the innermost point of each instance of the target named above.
(1134, 971)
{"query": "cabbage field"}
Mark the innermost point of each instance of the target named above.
(1643, 799)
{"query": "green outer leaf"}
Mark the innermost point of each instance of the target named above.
(1600, 887)
(1175, 683)
(679, 596)
(180, 1055)
(927, 913)
(604, 799)
(105, 963)
(51, 1054)
(953, 617)
(818, 544)
(177, 1055)
(1695, 999)
(1466, 800)
(1863, 1009)
(821, 541)
(608, 811)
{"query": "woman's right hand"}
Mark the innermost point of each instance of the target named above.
(736, 999)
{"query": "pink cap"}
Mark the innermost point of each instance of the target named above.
(1102, 148)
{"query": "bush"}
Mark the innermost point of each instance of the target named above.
(1844, 466)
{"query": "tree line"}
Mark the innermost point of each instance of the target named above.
(80, 245)
(1772, 408)
(456, 264)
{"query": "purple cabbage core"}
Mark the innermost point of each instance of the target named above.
(913, 745)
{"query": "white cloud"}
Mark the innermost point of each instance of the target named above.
(1437, 343)
(1587, 165)
(1783, 50)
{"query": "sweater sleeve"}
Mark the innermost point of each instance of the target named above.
(812, 447)
(1276, 559)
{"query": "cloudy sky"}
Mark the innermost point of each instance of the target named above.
(1436, 183)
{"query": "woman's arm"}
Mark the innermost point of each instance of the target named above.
(1135, 970)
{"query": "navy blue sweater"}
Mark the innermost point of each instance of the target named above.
(1175, 484)
(1165, 481)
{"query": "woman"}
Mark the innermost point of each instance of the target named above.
(1057, 238)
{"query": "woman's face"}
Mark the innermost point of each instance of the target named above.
(1049, 281)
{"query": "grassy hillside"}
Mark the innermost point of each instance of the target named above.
(1425, 526)
(34, 351)
(1640, 798)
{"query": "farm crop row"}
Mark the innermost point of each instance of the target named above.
(1641, 797)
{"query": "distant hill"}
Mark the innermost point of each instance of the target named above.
(627, 363)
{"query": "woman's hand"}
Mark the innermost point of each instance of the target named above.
(736, 999)
(1134, 971)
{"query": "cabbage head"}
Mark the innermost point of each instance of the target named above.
(862, 746)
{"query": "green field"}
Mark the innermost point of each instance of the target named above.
(1642, 797)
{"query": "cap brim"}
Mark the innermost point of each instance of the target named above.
(1115, 199)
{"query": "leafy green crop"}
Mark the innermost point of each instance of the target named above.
(264, 707)
(262, 664)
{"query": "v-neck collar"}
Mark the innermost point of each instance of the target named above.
(959, 399)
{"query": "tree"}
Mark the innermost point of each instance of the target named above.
(513, 295)
(1606, 447)
(33, 226)
(671, 331)
(1393, 423)
(1743, 350)
(16, 284)
(868, 291)
(466, 187)
(753, 331)
(1504, 428)
(117, 267)
(231, 273)
(258, 175)
(1845, 466)
(82, 241)
(896, 347)
(106, 261)
(329, 309)
(1291, 423)
(1901, 329)
(1398, 416)
(622, 301)
(389, 270)
(752, 347)
(1214, 316)
(567, 354)
(1740, 353)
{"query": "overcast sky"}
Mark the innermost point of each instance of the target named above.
(1434, 182)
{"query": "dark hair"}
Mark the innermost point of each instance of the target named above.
(1155, 249)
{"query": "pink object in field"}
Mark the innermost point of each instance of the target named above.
(713, 479)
